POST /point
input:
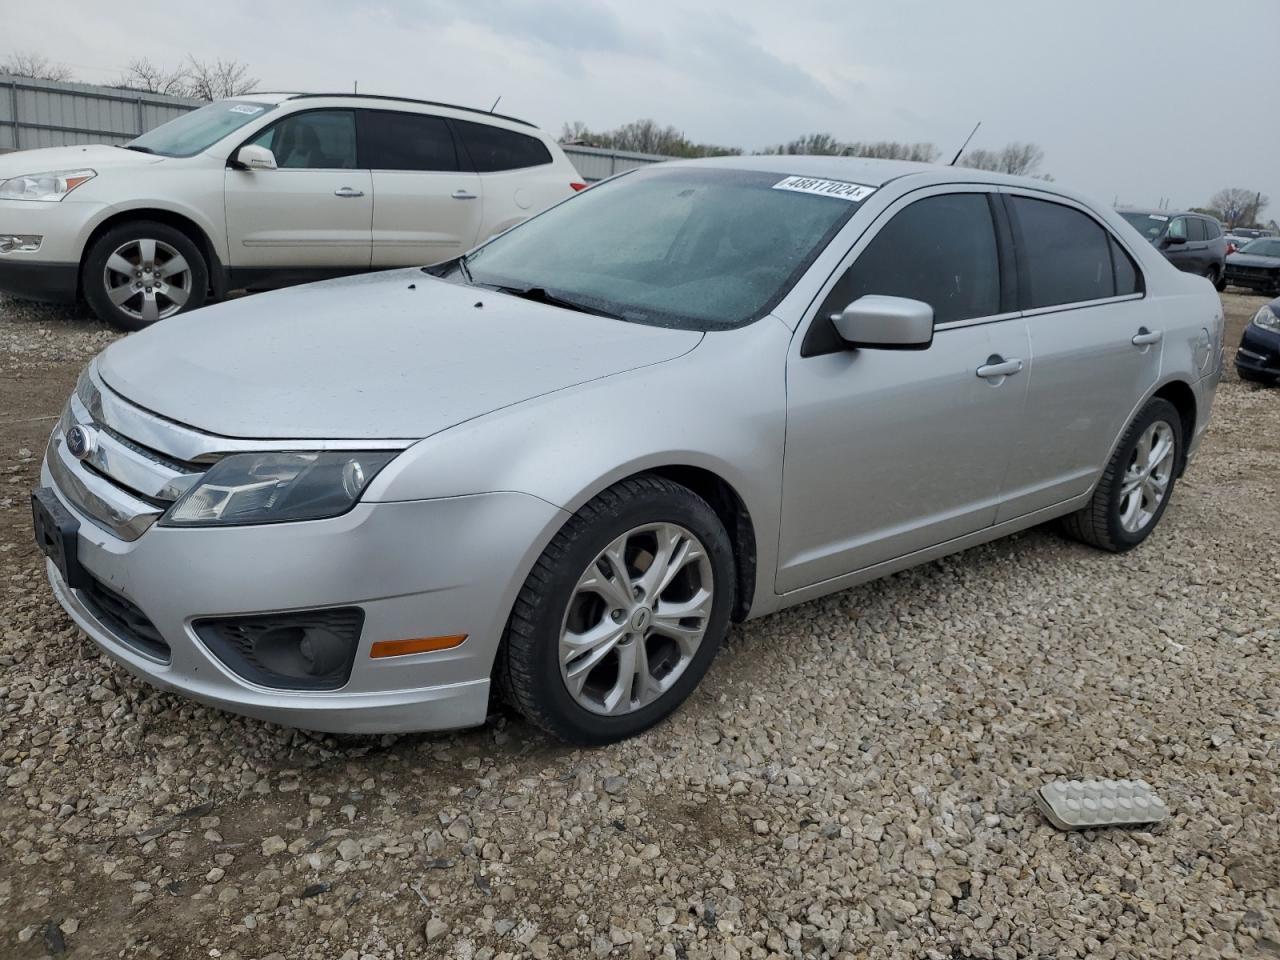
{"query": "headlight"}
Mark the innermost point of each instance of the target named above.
(1267, 319)
(44, 186)
(247, 488)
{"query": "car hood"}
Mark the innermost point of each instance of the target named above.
(1252, 260)
(379, 356)
(96, 156)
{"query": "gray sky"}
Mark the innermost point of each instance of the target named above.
(1135, 99)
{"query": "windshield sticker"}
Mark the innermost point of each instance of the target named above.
(248, 108)
(1157, 216)
(843, 189)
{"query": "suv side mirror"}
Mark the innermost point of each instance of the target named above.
(252, 157)
(1173, 241)
(885, 323)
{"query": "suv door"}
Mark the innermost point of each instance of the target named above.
(429, 206)
(889, 452)
(1081, 293)
(315, 210)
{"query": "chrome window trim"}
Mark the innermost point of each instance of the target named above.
(1082, 304)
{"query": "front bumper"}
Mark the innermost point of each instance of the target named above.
(418, 568)
(1259, 353)
(35, 280)
(53, 271)
(1253, 278)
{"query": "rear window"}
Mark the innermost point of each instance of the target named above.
(1067, 254)
(493, 148)
(391, 140)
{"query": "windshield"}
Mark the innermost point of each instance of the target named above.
(1150, 225)
(699, 248)
(193, 132)
(1262, 248)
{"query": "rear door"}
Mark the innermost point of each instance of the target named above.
(427, 204)
(1092, 357)
(315, 210)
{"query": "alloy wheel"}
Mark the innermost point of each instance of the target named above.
(1146, 480)
(147, 279)
(636, 618)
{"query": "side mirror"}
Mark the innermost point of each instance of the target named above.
(1174, 241)
(252, 157)
(885, 323)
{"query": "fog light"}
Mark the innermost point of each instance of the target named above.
(290, 651)
(19, 242)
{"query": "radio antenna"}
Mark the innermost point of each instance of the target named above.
(965, 144)
(495, 104)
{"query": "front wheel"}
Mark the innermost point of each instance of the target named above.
(141, 272)
(1137, 483)
(622, 614)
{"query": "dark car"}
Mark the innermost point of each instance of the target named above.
(1256, 265)
(1259, 355)
(1192, 242)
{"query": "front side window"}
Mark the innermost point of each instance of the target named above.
(1178, 228)
(390, 140)
(1066, 254)
(495, 148)
(941, 250)
(697, 248)
(314, 140)
(197, 131)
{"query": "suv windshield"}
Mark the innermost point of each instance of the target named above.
(1150, 225)
(1266, 247)
(193, 132)
(699, 248)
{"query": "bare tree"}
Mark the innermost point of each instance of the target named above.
(1239, 206)
(824, 144)
(644, 136)
(1019, 159)
(213, 80)
(142, 74)
(811, 144)
(35, 66)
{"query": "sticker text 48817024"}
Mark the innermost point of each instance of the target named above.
(842, 189)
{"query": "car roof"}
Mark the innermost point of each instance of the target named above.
(282, 96)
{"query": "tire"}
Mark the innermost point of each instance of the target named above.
(554, 602)
(129, 301)
(1102, 523)
(1218, 277)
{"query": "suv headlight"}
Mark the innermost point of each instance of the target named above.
(1267, 319)
(51, 186)
(250, 488)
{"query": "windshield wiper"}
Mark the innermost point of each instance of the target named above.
(130, 146)
(542, 295)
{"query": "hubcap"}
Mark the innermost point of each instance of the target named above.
(636, 618)
(1146, 481)
(147, 279)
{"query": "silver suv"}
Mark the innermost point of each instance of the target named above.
(562, 464)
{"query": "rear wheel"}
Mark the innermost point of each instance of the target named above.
(1218, 277)
(141, 272)
(622, 614)
(1136, 485)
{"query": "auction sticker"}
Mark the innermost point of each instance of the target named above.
(843, 189)
(245, 108)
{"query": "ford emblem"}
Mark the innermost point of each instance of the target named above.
(80, 442)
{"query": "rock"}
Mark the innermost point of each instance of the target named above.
(273, 845)
(436, 928)
(614, 784)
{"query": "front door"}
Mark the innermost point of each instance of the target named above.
(890, 452)
(429, 207)
(315, 210)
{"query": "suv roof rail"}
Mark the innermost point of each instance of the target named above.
(426, 103)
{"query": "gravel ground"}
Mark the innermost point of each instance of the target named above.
(853, 778)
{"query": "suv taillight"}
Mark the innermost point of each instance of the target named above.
(578, 186)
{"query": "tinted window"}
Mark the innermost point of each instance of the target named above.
(941, 250)
(405, 141)
(1066, 254)
(316, 140)
(1128, 280)
(1195, 229)
(1211, 229)
(493, 148)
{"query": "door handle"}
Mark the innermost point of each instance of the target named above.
(348, 192)
(997, 367)
(1145, 337)
(463, 195)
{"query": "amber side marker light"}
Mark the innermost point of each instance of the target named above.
(400, 648)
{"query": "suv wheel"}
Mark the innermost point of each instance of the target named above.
(621, 615)
(1136, 485)
(141, 272)
(1218, 277)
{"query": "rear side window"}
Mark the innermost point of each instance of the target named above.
(1128, 279)
(1196, 229)
(941, 250)
(1066, 255)
(1212, 230)
(390, 140)
(493, 148)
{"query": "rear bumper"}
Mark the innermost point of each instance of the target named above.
(34, 280)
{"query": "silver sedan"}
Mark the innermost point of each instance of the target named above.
(563, 464)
